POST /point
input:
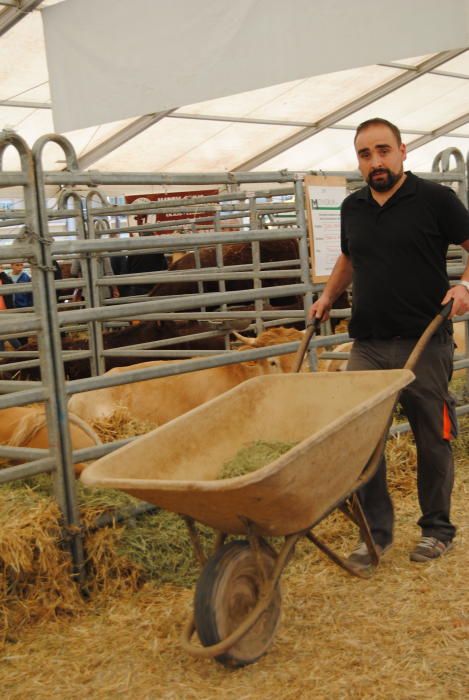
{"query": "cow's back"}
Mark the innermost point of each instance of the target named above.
(160, 400)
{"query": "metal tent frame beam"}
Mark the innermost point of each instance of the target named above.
(348, 109)
(440, 131)
(26, 105)
(119, 138)
(283, 122)
(15, 12)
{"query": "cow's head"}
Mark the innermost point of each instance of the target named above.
(276, 336)
(265, 365)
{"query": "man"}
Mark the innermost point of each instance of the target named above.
(146, 261)
(395, 234)
(77, 271)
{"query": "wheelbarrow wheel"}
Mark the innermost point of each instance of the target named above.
(228, 589)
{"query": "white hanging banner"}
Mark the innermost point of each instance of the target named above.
(115, 59)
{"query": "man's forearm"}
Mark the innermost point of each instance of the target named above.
(340, 278)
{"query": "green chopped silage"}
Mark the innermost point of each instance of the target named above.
(253, 456)
(159, 543)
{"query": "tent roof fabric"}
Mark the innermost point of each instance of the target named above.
(300, 125)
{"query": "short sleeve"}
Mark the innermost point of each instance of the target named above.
(453, 217)
(344, 247)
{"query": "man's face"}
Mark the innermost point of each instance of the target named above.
(380, 157)
(17, 268)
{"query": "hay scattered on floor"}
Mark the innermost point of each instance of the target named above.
(319, 603)
(254, 456)
(401, 634)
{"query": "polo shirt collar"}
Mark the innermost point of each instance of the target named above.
(408, 187)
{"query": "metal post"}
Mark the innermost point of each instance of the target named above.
(89, 291)
(304, 258)
(219, 259)
(200, 285)
(50, 350)
(95, 269)
(256, 265)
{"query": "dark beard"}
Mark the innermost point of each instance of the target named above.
(386, 184)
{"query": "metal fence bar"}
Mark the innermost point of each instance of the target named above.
(29, 469)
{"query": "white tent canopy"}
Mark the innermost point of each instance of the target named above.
(304, 124)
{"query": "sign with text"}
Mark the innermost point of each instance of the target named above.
(324, 197)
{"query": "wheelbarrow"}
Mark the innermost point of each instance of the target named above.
(338, 423)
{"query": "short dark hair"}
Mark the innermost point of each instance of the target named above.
(378, 121)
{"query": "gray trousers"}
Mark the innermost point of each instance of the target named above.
(431, 412)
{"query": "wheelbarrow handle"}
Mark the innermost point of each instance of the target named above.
(427, 334)
(310, 328)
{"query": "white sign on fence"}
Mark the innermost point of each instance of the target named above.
(324, 197)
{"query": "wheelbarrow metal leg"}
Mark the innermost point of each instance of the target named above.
(195, 539)
(336, 558)
(358, 516)
(255, 544)
(353, 510)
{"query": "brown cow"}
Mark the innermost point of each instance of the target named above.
(162, 399)
(460, 337)
(145, 332)
(275, 336)
(336, 365)
(26, 426)
(289, 335)
(233, 254)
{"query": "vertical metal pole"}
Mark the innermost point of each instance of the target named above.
(256, 266)
(96, 294)
(50, 353)
(219, 258)
(88, 293)
(200, 285)
(304, 258)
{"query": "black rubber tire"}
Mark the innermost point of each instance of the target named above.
(226, 592)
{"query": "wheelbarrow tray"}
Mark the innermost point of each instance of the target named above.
(335, 420)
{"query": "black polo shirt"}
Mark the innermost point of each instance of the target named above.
(398, 253)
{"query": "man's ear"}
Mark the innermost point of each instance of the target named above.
(403, 149)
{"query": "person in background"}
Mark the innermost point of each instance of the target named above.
(76, 271)
(6, 302)
(57, 276)
(119, 265)
(21, 300)
(395, 234)
(146, 261)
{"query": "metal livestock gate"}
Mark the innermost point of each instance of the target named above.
(260, 207)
